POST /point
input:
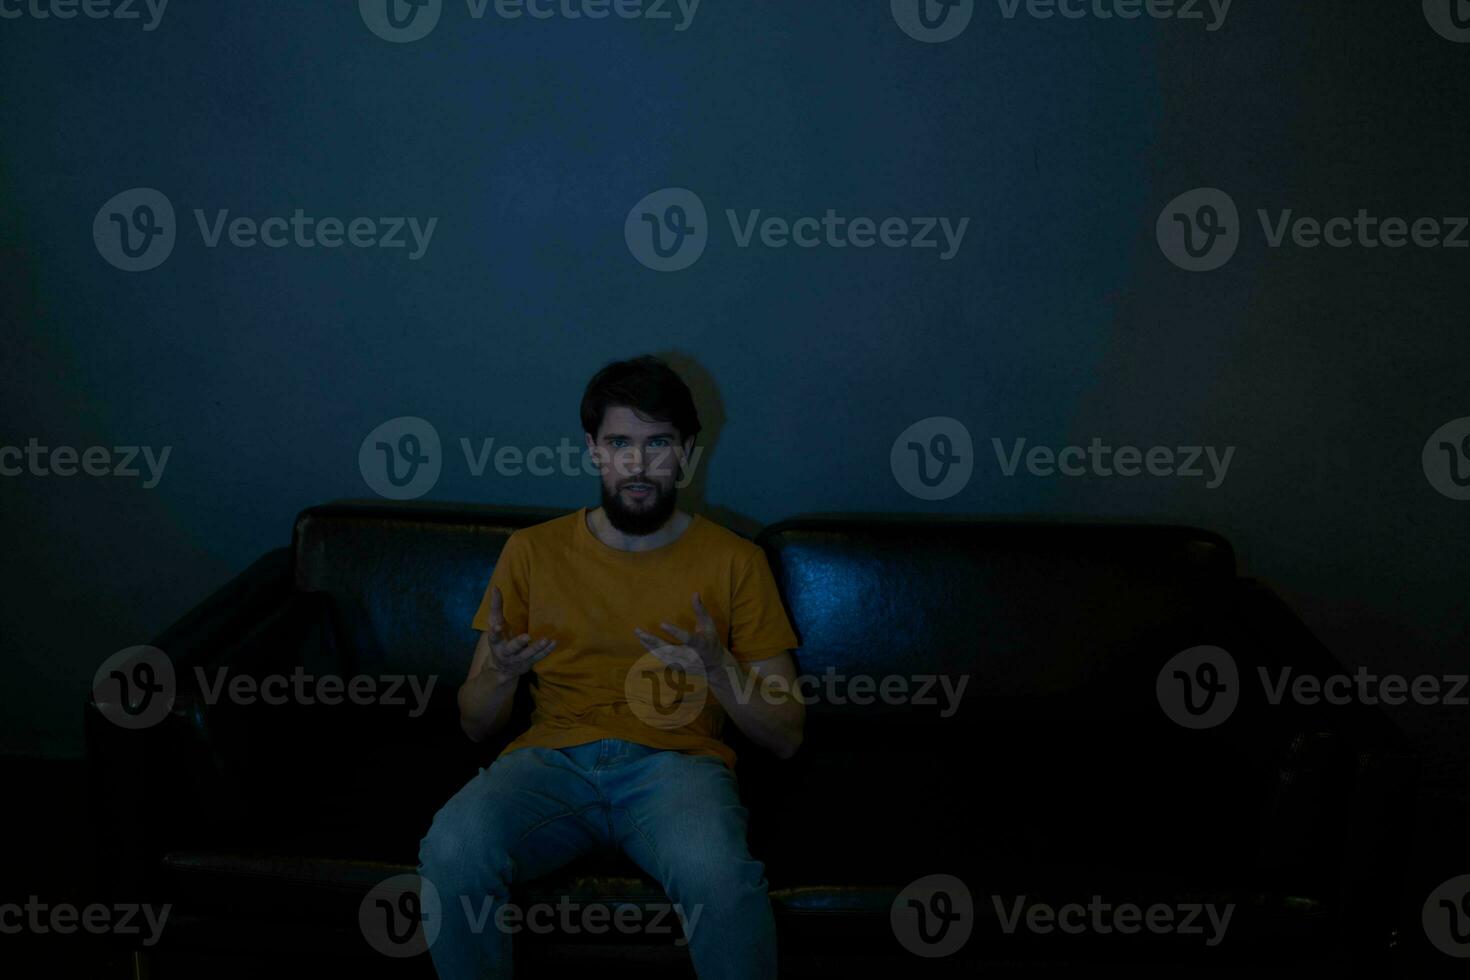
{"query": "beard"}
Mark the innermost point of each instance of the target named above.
(641, 520)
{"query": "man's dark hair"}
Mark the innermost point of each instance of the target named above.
(648, 386)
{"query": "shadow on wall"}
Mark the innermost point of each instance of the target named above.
(712, 418)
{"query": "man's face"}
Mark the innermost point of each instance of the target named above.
(639, 460)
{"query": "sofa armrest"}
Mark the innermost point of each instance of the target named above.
(1345, 777)
(231, 611)
(152, 788)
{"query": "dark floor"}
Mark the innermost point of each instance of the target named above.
(51, 844)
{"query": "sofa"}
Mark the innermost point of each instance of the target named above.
(1033, 807)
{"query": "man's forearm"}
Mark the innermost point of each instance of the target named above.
(771, 717)
(485, 703)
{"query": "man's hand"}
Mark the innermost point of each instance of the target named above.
(773, 717)
(512, 658)
(703, 649)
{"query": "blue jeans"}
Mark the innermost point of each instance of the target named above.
(677, 816)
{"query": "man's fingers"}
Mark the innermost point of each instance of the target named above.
(527, 654)
(512, 646)
(650, 641)
(679, 634)
(542, 651)
(533, 651)
(706, 621)
(497, 613)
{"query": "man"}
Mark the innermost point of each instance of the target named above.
(639, 628)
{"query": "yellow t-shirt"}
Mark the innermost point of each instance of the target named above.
(558, 580)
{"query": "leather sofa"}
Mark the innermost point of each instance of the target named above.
(1057, 780)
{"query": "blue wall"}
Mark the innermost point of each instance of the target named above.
(1058, 320)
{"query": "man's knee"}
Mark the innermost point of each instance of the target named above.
(714, 874)
(458, 852)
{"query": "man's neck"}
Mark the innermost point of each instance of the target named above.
(601, 529)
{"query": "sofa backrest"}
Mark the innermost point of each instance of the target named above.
(1029, 610)
(1057, 742)
(1035, 613)
(403, 581)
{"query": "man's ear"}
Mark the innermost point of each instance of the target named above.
(592, 449)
